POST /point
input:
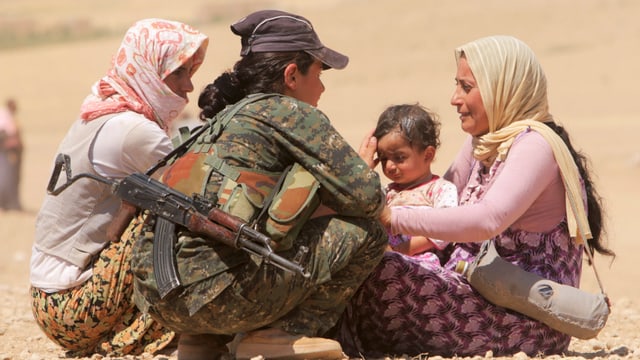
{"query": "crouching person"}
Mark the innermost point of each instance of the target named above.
(264, 133)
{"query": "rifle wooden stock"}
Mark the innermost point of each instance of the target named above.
(200, 225)
(233, 231)
(237, 225)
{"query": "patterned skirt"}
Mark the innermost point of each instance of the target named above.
(414, 305)
(99, 316)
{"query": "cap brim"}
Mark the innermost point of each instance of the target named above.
(330, 58)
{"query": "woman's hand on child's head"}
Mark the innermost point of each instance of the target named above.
(368, 150)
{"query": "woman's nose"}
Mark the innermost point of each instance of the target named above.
(455, 97)
(188, 86)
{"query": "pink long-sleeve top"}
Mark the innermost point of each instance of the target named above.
(525, 193)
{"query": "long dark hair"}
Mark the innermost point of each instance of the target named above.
(594, 201)
(253, 73)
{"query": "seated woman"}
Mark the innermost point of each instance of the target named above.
(514, 175)
(81, 283)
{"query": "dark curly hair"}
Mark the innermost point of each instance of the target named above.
(416, 123)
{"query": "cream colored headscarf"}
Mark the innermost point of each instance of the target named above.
(514, 93)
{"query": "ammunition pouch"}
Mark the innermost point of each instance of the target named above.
(287, 207)
(277, 204)
(292, 206)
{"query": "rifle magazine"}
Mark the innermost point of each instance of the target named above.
(164, 261)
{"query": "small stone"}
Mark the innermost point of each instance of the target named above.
(520, 356)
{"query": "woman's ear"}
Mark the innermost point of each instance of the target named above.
(290, 76)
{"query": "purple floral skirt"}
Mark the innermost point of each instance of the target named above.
(415, 305)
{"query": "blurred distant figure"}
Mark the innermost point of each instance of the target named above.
(10, 157)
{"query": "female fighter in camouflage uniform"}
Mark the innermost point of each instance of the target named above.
(226, 291)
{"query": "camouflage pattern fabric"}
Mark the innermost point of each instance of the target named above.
(252, 294)
(292, 132)
(227, 291)
(291, 207)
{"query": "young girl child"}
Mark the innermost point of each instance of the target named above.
(408, 136)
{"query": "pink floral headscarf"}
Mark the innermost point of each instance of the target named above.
(150, 51)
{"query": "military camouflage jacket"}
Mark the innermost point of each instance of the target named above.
(272, 133)
(266, 135)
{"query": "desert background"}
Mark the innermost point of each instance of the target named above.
(51, 52)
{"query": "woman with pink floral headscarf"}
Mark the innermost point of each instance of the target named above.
(81, 284)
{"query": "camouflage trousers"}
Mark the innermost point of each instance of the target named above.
(342, 253)
(99, 316)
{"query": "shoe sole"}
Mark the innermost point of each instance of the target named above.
(279, 352)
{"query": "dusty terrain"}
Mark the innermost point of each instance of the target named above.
(400, 51)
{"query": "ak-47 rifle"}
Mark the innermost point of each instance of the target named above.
(197, 214)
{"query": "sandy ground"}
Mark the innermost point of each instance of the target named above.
(400, 51)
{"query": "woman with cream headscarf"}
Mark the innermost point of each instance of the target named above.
(521, 184)
(82, 287)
